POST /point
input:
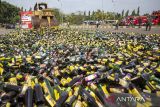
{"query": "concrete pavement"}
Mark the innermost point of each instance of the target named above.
(154, 30)
(5, 31)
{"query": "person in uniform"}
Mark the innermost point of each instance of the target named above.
(97, 24)
(139, 22)
(149, 23)
(117, 25)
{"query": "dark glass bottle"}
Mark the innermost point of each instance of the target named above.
(88, 98)
(29, 97)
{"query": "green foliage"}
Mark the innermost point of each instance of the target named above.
(146, 14)
(133, 13)
(78, 18)
(89, 13)
(122, 13)
(138, 11)
(58, 14)
(75, 18)
(118, 16)
(84, 13)
(127, 13)
(21, 9)
(8, 13)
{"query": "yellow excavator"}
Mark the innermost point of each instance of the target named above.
(43, 16)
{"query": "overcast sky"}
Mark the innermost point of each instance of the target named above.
(68, 6)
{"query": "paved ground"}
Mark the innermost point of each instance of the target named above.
(5, 31)
(135, 30)
(154, 30)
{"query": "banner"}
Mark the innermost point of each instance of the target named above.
(26, 19)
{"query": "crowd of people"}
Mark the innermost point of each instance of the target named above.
(156, 12)
(69, 68)
(148, 23)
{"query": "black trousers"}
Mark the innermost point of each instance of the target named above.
(116, 27)
(139, 25)
(148, 27)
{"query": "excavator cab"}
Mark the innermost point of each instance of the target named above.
(40, 6)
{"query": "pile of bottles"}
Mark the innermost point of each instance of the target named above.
(69, 68)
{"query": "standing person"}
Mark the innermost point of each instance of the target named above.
(68, 25)
(131, 22)
(139, 22)
(149, 23)
(117, 24)
(97, 24)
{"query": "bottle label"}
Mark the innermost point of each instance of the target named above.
(123, 83)
(1, 71)
(13, 81)
(24, 89)
(56, 94)
(8, 104)
(93, 94)
(91, 77)
(135, 92)
(50, 100)
(84, 104)
(157, 86)
(78, 104)
(84, 96)
(19, 76)
(69, 98)
(114, 90)
(104, 90)
(147, 88)
(110, 78)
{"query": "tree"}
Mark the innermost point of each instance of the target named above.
(127, 13)
(76, 18)
(9, 13)
(21, 8)
(133, 13)
(93, 15)
(98, 15)
(138, 11)
(59, 15)
(146, 14)
(117, 16)
(79, 17)
(84, 16)
(122, 13)
(89, 13)
(30, 9)
(84, 13)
